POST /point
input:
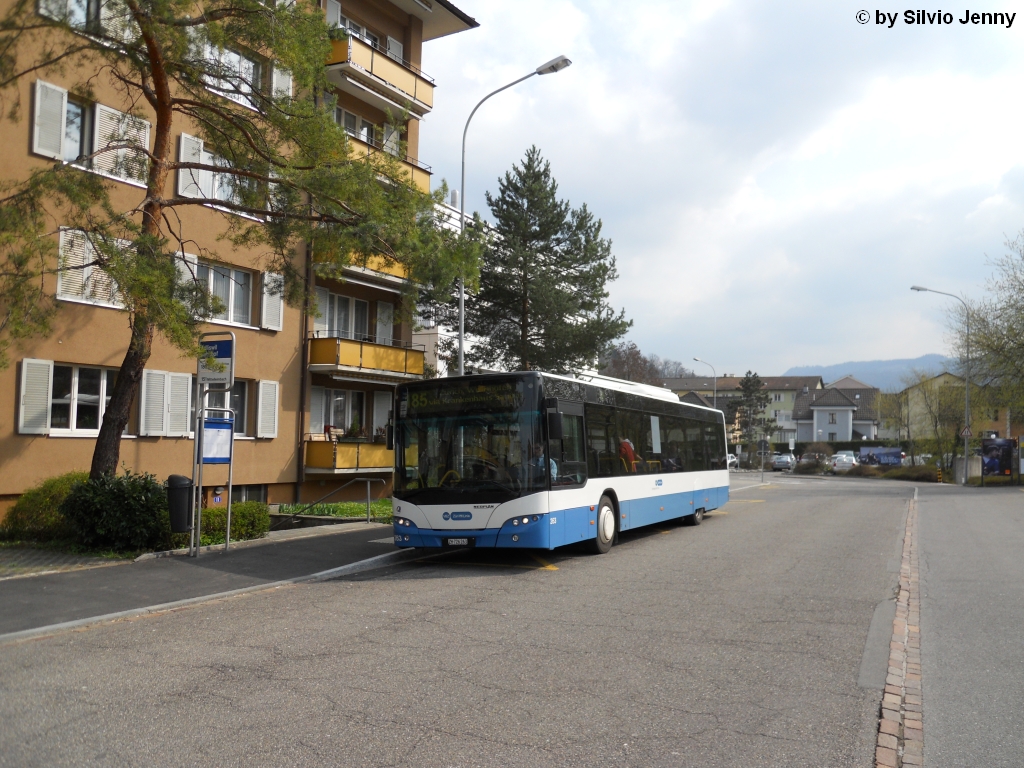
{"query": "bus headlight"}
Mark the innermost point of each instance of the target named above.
(515, 521)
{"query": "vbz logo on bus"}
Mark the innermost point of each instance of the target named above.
(657, 483)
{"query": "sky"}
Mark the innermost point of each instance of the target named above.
(773, 176)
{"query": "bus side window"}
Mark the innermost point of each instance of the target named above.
(602, 443)
(673, 444)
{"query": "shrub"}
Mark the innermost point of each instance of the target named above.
(36, 516)
(249, 520)
(125, 513)
(924, 474)
(807, 468)
(379, 508)
(863, 470)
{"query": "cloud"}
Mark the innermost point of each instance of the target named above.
(773, 175)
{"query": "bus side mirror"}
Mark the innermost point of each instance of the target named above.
(555, 425)
(389, 431)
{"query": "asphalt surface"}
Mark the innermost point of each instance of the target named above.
(737, 643)
(40, 601)
(972, 626)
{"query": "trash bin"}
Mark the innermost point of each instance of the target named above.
(179, 502)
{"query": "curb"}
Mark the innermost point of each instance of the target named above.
(318, 530)
(901, 725)
(388, 558)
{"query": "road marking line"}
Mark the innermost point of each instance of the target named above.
(547, 566)
(387, 558)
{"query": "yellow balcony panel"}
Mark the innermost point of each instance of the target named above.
(350, 353)
(395, 79)
(415, 173)
(377, 264)
(365, 359)
(348, 458)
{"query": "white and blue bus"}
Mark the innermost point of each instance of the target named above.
(536, 460)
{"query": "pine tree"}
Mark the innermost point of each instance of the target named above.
(542, 301)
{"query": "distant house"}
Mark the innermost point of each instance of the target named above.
(845, 410)
(935, 405)
(782, 390)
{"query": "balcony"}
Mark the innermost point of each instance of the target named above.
(397, 361)
(419, 173)
(348, 458)
(360, 68)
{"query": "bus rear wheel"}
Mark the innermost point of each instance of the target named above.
(695, 519)
(605, 520)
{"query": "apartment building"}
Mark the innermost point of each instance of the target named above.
(312, 392)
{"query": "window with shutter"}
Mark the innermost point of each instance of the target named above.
(34, 410)
(333, 13)
(385, 316)
(50, 110)
(266, 409)
(153, 403)
(272, 306)
(117, 21)
(316, 410)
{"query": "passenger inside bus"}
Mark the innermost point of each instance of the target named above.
(631, 461)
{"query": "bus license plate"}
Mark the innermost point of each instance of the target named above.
(460, 542)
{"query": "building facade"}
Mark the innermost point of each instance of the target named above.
(312, 391)
(846, 410)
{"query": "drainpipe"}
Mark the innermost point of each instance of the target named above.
(303, 375)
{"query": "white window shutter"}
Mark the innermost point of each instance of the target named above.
(186, 264)
(266, 409)
(395, 49)
(282, 82)
(272, 305)
(191, 183)
(153, 404)
(137, 162)
(385, 320)
(333, 13)
(107, 131)
(50, 115)
(54, 9)
(316, 409)
(179, 388)
(323, 297)
(36, 383)
(75, 252)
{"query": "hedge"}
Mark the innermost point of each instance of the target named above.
(122, 512)
(36, 516)
(249, 520)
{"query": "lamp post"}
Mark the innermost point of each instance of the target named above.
(555, 65)
(713, 373)
(967, 372)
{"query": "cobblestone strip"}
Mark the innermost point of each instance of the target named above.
(901, 726)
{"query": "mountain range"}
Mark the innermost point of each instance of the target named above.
(884, 374)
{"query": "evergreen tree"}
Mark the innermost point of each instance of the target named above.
(272, 153)
(542, 297)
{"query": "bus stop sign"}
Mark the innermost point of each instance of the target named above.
(223, 353)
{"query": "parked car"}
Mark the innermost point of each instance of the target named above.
(731, 461)
(784, 462)
(843, 461)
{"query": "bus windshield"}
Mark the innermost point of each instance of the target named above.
(470, 442)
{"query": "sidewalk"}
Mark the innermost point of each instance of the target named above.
(55, 598)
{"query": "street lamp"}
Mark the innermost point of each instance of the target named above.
(967, 372)
(715, 374)
(557, 64)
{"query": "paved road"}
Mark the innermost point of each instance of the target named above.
(737, 643)
(972, 626)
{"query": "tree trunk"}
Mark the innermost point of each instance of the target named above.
(108, 445)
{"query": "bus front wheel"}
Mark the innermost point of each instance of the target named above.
(605, 526)
(696, 518)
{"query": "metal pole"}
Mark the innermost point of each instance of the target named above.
(195, 469)
(201, 426)
(367, 501)
(231, 469)
(462, 222)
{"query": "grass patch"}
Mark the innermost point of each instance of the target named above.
(69, 547)
(379, 509)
